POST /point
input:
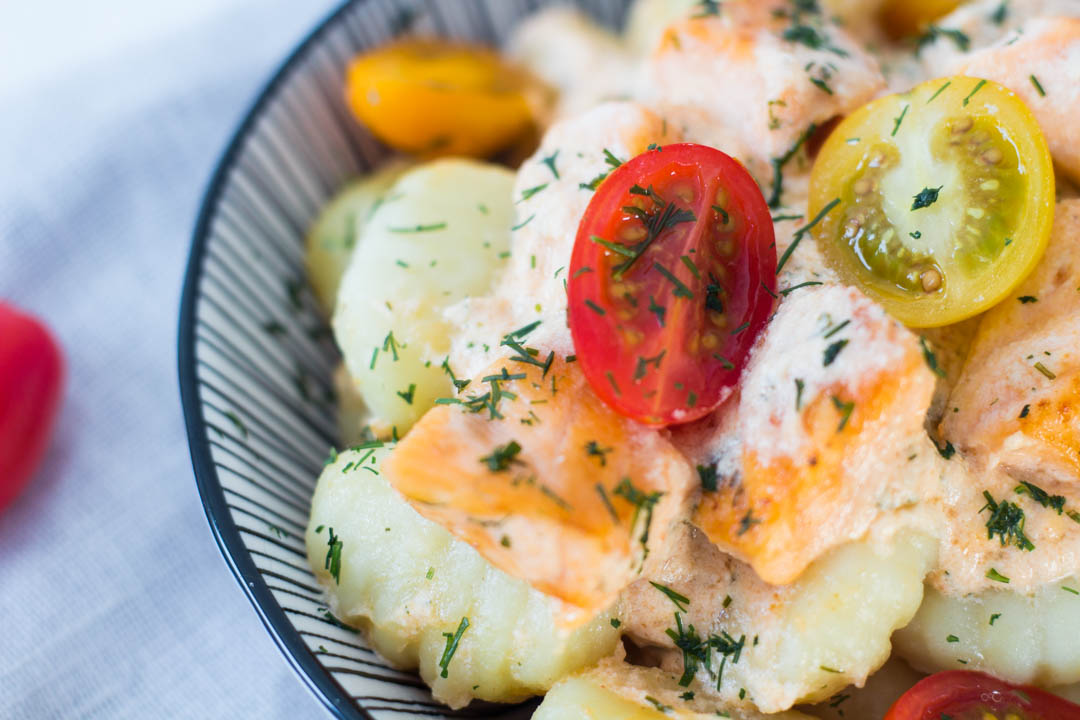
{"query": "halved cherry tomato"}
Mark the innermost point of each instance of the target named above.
(31, 371)
(966, 695)
(433, 97)
(672, 278)
(937, 202)
(901, 18)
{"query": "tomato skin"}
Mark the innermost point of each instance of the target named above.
(31, 382)
(702, 351)
(948, 694)
(438, 98)
(902, 18)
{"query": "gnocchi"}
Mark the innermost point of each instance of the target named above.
(801, 642)
(617, 691)
(441, 235)
(334, 235)
(1022, 639)
(409, 584)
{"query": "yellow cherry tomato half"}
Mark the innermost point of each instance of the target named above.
(432, 97)
(901, 18)
(936, 202)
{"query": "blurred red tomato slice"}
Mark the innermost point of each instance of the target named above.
(31, 379)
(967, 695)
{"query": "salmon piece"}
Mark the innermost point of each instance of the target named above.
(758, 79)
(984, 23)
(826, 435)
(1017, 402)
(1048, 50)
(546, 482)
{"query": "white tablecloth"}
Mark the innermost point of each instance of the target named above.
(114, 600)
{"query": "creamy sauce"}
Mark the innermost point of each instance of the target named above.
(814, 453)
(912, 484)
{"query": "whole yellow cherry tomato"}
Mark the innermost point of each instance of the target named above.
(432, 97)
(936, 202)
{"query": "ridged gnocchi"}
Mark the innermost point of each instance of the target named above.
(798, 643)
(1022, 639)
(872, 700)
(617, 691)
(440, 235)
(409, 584)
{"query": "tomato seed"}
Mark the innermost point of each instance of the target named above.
(931, 280)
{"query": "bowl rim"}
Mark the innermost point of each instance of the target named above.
(315, 677)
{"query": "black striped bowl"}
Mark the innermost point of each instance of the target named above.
(256, 355)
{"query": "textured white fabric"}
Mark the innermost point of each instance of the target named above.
(114, 600)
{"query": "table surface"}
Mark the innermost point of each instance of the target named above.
(114, 599)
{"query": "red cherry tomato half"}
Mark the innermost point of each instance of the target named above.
(966, 695)
(672, 278)
(31, 376)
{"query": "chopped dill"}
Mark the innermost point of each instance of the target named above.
(779, 163)
(333, 556)
(926, 198)
(931, 359)
(708, 476)
(502, 457)
(833, 351)
(1007, 522)
(550, 162)
(963, 42)
(452, 641)
(680, 601)
(1054, 502)
(593, 449)
(845, 409)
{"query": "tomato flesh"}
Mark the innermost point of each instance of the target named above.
(31, 371)
(967, 695)
(944, 199)
(671, 280)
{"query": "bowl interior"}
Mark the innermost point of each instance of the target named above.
(256, 355)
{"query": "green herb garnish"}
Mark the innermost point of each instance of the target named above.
(963, 42)
(1054, 502)
(798, 236)
(333, 556)
(708, 476)
(845, 409)
(452, 640)
(779, 163)
(407, 395)
(681, 290)
(550, 162)
(931, 359)
(680, 601)
(1007, 522)
(593, 449)
(832, 351)
(502, 457)
(926, 198)
(419, 228)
